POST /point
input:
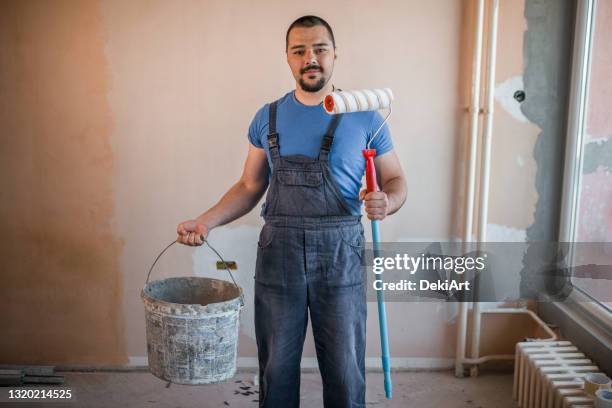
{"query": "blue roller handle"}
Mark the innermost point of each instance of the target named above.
(369, 155)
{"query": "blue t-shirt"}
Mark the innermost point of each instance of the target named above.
(301, 129)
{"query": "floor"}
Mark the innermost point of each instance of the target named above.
(411, 389)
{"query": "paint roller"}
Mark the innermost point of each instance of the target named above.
(358, 101)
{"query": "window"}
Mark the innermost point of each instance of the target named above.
(587, 206)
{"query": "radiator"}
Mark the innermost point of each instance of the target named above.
(549, 374)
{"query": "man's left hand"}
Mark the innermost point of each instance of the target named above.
(376, 204)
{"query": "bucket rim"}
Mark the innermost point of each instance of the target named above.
(146, 297)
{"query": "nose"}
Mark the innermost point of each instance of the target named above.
(311, 58)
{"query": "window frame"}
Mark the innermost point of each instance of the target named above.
(582, 319)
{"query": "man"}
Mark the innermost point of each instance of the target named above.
(310, 249)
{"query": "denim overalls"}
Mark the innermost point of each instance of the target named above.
(309, 258)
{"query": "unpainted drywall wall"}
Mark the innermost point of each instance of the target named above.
(185, 84)
(61, 279)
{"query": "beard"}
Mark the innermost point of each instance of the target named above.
(316, 87)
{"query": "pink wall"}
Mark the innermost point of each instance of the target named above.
(125, 118)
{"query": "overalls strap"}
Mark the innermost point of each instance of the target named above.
(272, 134)
(328, 139)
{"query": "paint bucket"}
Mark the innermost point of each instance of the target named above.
(596, 381)
(192, 327)
(603, 398)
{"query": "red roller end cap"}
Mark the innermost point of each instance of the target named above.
(329, 103)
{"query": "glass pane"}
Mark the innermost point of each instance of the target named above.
(594, 220)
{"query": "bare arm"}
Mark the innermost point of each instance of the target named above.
(392, 181)
(236, 202)
(242, 196)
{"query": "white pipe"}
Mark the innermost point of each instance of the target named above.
(535, 317)
(509, 310)
(471, 179)
(485, 170)
(491, 357)
(474, 111)
(483, 203)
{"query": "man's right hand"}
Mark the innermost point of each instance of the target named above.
(191, 233)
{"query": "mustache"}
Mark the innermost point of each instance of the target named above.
(312, 67)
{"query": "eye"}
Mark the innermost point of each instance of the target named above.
(299, 52)
(320, 50)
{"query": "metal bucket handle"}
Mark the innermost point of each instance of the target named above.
(218, 255)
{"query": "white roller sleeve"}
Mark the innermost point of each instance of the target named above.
(357, 101)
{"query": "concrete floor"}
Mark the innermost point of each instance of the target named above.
(411, 389)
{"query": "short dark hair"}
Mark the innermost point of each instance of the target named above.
(309, 21)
